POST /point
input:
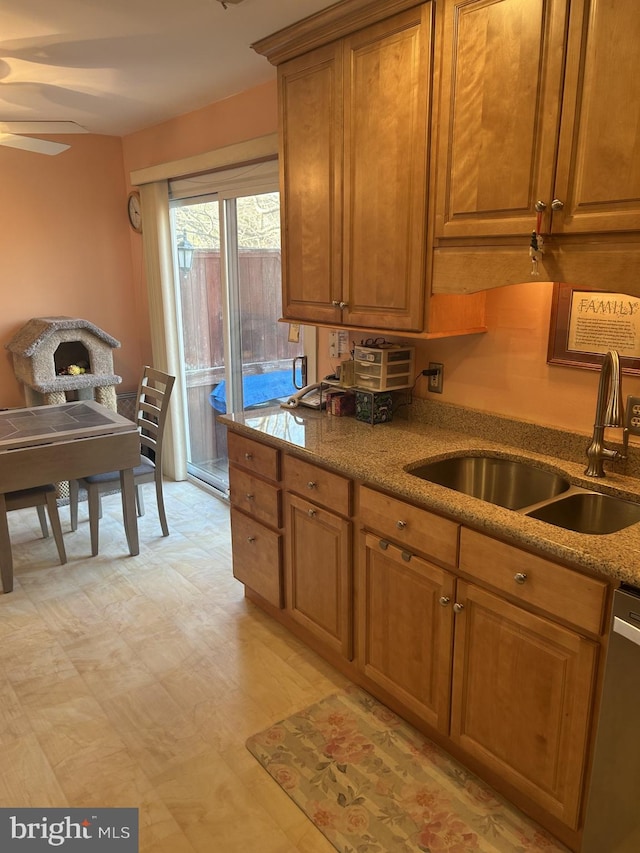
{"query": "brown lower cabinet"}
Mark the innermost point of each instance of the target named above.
(319, 573)
(405, 632)
(522, 692)
(494, 650)
(256, 517)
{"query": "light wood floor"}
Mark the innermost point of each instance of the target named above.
(134, 681)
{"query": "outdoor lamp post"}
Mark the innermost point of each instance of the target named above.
(185, 254)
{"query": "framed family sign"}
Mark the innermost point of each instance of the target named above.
(585, 324)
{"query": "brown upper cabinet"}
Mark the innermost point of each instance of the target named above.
(538, 103)
(354, 111)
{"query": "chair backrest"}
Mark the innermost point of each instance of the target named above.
(154, 393)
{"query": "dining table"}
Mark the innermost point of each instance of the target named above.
(58, 443)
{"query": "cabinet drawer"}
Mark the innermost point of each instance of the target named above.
(318, 485)
(256, 497)
(561, 592)
(254, 456)
(415, 528)
(257, 557)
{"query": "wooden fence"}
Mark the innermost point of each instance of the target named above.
(265, 344)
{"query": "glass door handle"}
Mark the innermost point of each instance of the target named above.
(303, 371)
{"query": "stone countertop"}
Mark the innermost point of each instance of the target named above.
(378, 455)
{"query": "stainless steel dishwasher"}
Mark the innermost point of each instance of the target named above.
(612, 822)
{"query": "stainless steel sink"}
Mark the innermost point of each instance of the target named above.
(505, 482)
(587, 512)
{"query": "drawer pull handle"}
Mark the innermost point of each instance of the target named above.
(406, 556)
(312, 485)
(248, 455)
(401, 525)
(251, 539)
(250, 497)
(383, 544)
(444, 600)
(520, 577)
(311, 513)
(458, 608)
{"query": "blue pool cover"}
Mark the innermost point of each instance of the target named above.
(256, 388)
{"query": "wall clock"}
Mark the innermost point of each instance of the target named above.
(134, 211)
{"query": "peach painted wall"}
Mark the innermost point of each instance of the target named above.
(244, 116)
(505, 370)
(65, 248)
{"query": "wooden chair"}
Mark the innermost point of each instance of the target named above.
(154, 393)
(40, 497)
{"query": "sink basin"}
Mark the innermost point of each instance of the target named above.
(505, 482)
(589, 513)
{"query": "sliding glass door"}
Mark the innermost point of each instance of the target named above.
(236, 355)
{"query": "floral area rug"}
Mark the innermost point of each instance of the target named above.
(373, 784)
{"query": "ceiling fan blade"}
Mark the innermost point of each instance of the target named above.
(29, 143)
(45, 127)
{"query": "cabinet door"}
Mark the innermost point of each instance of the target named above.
(599, 160)
(387, 73)
(406, 628)
(522, 696)
(257, 557)
(310, 103)
(319, 573)
(501, 64)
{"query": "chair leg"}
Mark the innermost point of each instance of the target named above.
(161, 510)
(6, 557)
(74, 489)
(42, 516)
(94, 517)
(139, 502)
(54, 518)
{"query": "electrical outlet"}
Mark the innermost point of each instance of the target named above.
(435, 382)
(338, 343)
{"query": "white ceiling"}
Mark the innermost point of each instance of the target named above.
(116, 66)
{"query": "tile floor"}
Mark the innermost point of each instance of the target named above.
(135, 681)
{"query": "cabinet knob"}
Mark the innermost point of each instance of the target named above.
(248, 455)
(540, 206)
(458, 608)
(343, 305)
(401, 525)
(444, 600)
(406, 556)
(520, 577)
(251, 539)
(556, 204)
(383, 544)
(249, 497)
(335, 303)
(312, 485)
(311, 513)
